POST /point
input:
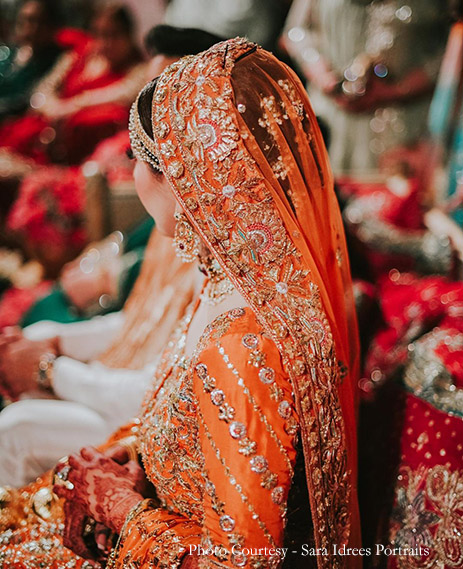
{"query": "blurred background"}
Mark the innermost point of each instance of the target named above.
(384, 77)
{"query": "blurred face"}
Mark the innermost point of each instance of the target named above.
(32, 28)
(155, 194)
(111, 40)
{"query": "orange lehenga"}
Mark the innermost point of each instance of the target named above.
(251, 443)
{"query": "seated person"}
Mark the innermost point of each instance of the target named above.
(392, 228)
(78, 382)
(97, 282)
(34, 434)
(33, 53)
(52, 238)
(86, 96)
(49, 219)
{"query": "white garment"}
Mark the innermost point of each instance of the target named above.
(342, 30)
(82, 341)
(94, 401)
(258, 20)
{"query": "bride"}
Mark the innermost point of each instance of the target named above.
(248, 435)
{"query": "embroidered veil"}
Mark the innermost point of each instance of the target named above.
(235, 135)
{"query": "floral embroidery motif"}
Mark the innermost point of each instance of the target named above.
(250, 341)
(237, 430)
(227, 523)
(259, 235)
(205, 134)
(267, 375)
(246, 234)
(428, 513)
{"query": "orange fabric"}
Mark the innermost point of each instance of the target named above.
(237, 138)
(218, 473)
(159, 298)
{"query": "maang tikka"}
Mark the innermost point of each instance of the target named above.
(186, 241)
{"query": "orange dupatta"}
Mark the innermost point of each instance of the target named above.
(237, 139)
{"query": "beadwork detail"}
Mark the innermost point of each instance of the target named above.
(245, 231)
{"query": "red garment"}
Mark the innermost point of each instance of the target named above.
(403, 211)
(428, 504)
(413, 455)
(410, 307)
(72, 139)
(377, 213)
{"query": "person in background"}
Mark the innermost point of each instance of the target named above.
(85, 97)
(94, 373)
(259, 20)
(371, 66)
(30, 57)
(100, 279)
(93, 391)
(412, 382)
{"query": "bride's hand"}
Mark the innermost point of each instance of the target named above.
(106, 490)
(74, 532)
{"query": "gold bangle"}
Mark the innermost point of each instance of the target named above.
(144, 504)
(45, 371)
(130, 445)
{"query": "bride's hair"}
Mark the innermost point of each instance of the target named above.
(145, 105)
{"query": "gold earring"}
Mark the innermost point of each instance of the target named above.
(186, 241)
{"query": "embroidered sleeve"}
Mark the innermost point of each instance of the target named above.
(247, 429)
(247, 426)
(154, 537)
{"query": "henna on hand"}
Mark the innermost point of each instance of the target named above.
(190, 561)
(73, 536)
(105, 489)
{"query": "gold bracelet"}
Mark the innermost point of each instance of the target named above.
(147, 503)
(45, 371)
(130, 445)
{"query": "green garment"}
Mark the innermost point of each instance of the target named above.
(56, 306)
(17, 81)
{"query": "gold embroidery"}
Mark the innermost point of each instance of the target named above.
(257, 409)
(233, 482)
(428, 512)
(427, 377)
(246, 237)
(238, 430)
